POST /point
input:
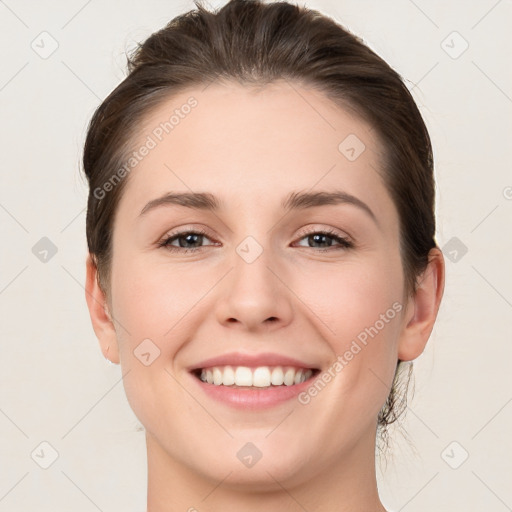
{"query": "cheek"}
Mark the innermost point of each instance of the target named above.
(151, 298)
(151, 302)
(352, 296)
(359, 305)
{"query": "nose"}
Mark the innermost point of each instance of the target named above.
(254, 295)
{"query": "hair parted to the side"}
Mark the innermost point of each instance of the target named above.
(257, 43)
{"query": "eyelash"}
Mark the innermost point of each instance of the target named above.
(345, 243)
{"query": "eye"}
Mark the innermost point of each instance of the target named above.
(192, 237)
(190, 240)
(320, 237)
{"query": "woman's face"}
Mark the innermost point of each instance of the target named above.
(258, 281)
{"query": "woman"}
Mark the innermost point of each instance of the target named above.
(262, 256)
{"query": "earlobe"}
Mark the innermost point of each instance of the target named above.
(101, 318)
(422, 308)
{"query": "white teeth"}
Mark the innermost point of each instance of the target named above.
(228, 378)
(277, 378)
(260, 377)
(243, 376)
(289, 377)
(217, 377)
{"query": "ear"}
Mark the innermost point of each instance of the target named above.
(98, 310)
(422, 308)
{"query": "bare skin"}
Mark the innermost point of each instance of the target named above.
(304, 297)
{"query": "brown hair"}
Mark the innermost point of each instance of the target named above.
(255, 44)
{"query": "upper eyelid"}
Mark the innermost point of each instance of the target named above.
(330, 231)
(303, 232)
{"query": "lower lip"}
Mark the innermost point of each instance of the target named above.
(254, 398)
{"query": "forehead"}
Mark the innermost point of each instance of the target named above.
(254, 144)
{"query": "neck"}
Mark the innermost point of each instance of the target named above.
(342, 484)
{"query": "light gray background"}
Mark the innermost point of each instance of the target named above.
(55, 386)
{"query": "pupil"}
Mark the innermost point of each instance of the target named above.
(187, 238)
(315, 237)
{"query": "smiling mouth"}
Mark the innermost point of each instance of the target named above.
(262, 377)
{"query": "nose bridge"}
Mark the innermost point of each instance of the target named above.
(252, 293)
(251, 264)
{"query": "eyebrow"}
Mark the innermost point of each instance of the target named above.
(294, 201)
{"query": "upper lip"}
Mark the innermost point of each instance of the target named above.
(252, 361)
